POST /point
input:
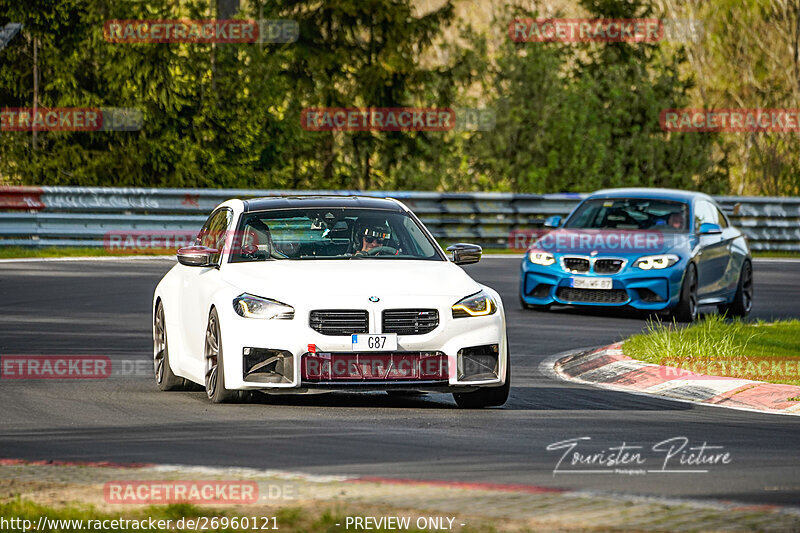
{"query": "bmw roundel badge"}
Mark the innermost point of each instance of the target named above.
(374, 299)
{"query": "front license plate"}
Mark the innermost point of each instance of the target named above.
(591, 283)
(375, 343)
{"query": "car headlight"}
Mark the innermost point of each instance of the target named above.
(250, 306)
(478, 304)
(541, 258)
(657, 262)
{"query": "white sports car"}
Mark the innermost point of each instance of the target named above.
(314, 294)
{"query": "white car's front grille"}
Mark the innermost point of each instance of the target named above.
(410, 321)
(339, 321)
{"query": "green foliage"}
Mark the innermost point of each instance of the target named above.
(749, 57)
(570, 117)
(583, 116)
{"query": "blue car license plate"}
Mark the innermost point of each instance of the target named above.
(591, 283)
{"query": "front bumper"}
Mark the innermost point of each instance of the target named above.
(279, 351)
(640, 289)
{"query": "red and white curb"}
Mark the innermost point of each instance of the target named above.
(610, 368)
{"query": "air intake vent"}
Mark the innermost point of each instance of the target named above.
(609, 296)
(339, 321)
(410, 321)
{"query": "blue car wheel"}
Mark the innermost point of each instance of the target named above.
(743, 300)
(686, 310)
(535, 307)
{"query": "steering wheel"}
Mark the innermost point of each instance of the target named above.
(252, 252)
(385, 250)
(629, 219)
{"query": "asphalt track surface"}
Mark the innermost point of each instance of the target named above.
(103, 308)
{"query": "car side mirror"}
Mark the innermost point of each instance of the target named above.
(197, 256)
(552, 222)
(707, 228)
(464, 253)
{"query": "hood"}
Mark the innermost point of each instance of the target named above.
(314, 279)
(610, 242)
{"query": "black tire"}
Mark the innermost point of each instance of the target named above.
(487, 396)
(215, 370)
(686, 310)
(165, 378)
(743, 300)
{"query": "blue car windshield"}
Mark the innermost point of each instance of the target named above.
(630, 214)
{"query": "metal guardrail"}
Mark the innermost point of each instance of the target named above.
(83, 216)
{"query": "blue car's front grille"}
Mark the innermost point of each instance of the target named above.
(576, 264)
(608, 266)
(599, 296)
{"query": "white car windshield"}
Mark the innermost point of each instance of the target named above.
(334, 233)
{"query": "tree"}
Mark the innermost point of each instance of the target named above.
(583, 116)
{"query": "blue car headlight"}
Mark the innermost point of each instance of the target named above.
(656, 262)
(250, 306)
(541, 258)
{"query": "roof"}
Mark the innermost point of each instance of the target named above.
(654, 193)
(321, 202)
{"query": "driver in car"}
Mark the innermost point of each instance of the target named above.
(676, 220)
(371, 237)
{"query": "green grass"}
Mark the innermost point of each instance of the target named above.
(777, 254)
(15, 252)
(288, 519)
(504, 251)
(721, 347)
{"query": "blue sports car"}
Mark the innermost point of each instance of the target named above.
(649, 249)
